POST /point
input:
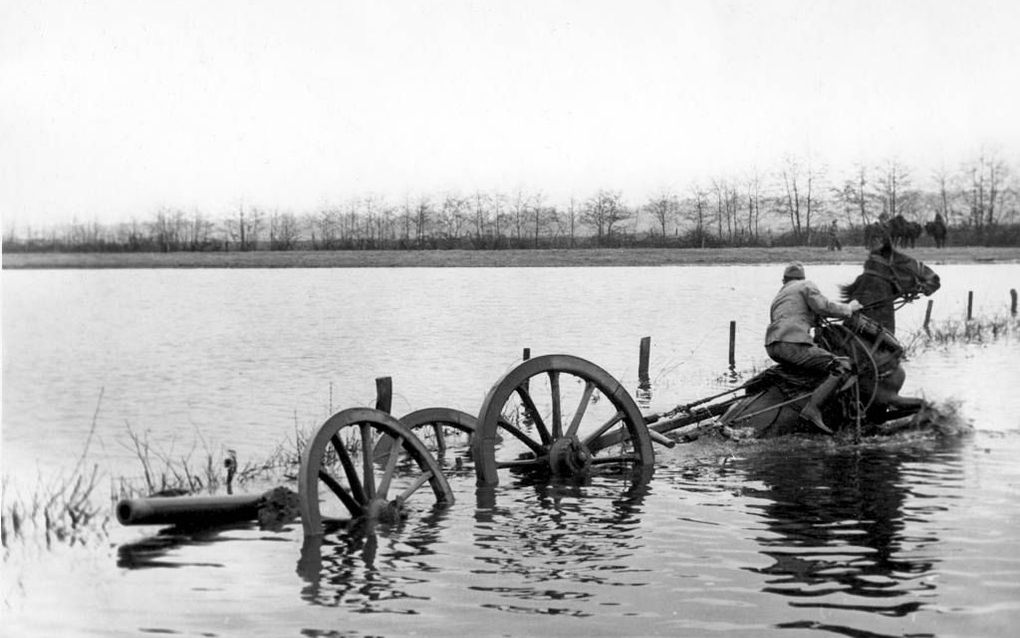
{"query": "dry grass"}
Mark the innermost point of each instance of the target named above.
(975, 331)
(62, 508)
(596, 257)
(67, 509)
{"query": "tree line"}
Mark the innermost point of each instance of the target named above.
(793, 205)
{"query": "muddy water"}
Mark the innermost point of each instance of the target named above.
(915, 538)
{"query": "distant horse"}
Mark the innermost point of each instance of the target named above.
(774, 398)
(938, 231)
(902, 232)
(875, 234)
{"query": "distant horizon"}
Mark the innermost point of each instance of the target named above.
(924, 183)
(114, 110)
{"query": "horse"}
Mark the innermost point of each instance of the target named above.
(773, 399)
(903, 232)
(875, 234)
(938, 231)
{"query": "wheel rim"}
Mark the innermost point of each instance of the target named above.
(341, 458)
(562, 415)
(443, 430)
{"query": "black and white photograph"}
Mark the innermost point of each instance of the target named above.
(574, 318)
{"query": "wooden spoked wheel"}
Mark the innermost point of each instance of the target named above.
(444, 431)
(560, 415)
(358, 483)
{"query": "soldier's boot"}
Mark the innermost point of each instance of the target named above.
(812, 411)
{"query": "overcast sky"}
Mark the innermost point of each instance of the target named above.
(110, 110)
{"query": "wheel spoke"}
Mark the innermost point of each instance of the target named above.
(523, 437)
(617, 418)
(358, 493)
(345, 497)
(522, 463)
(353, 479)
(529, 407)
(440, 438)
(366, 460)
(425, 476)
(582, 407)
(391, 466)
(622, 458)
(577, 428)
(557, 415)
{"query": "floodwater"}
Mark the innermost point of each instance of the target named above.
(917, 538)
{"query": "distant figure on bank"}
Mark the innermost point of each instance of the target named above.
(797, 307)
(834, 243)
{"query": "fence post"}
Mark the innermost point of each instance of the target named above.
(927, 316)
(970, 304)
(643, 356)
(525, 355)
(1012, 305)
(384, 394)
(733, 345)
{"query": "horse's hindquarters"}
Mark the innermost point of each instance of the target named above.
(767, 413)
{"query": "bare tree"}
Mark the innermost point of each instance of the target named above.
(754, 200)
(454, 215)
(199, 231)
(422, 217)
(988, 174)
(725, 208)
(480, 203)
(664, 207)
(573, 211)
(603, 211)
(284, 231)
(892, 188)
(521, 206)
(790, 175)
(696, 210)
(542, 216)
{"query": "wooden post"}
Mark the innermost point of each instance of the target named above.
(733, 345)
(384, 394)
(643, 356)
(927, 315)
(383, 402)
(525, 356)
(970, 304)
(1012, 305)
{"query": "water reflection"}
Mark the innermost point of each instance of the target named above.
(849, 530)
(560, 540)
(346, 567)
(154, 551)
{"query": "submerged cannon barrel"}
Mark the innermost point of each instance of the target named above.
(189, 510)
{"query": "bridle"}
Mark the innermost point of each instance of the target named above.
(901, 295)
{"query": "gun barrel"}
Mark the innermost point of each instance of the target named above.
(188, 510)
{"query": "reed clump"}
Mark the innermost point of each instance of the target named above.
(69, 509)
(200, 470)
(61, 510)
(980, 330)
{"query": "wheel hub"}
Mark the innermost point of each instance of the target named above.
(569, 457)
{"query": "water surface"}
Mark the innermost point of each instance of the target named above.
(917, 538)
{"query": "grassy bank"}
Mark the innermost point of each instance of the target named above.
(607, 257)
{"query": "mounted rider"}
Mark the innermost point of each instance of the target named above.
(797, 307)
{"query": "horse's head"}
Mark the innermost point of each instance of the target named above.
(908, 276)
(890, 276)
